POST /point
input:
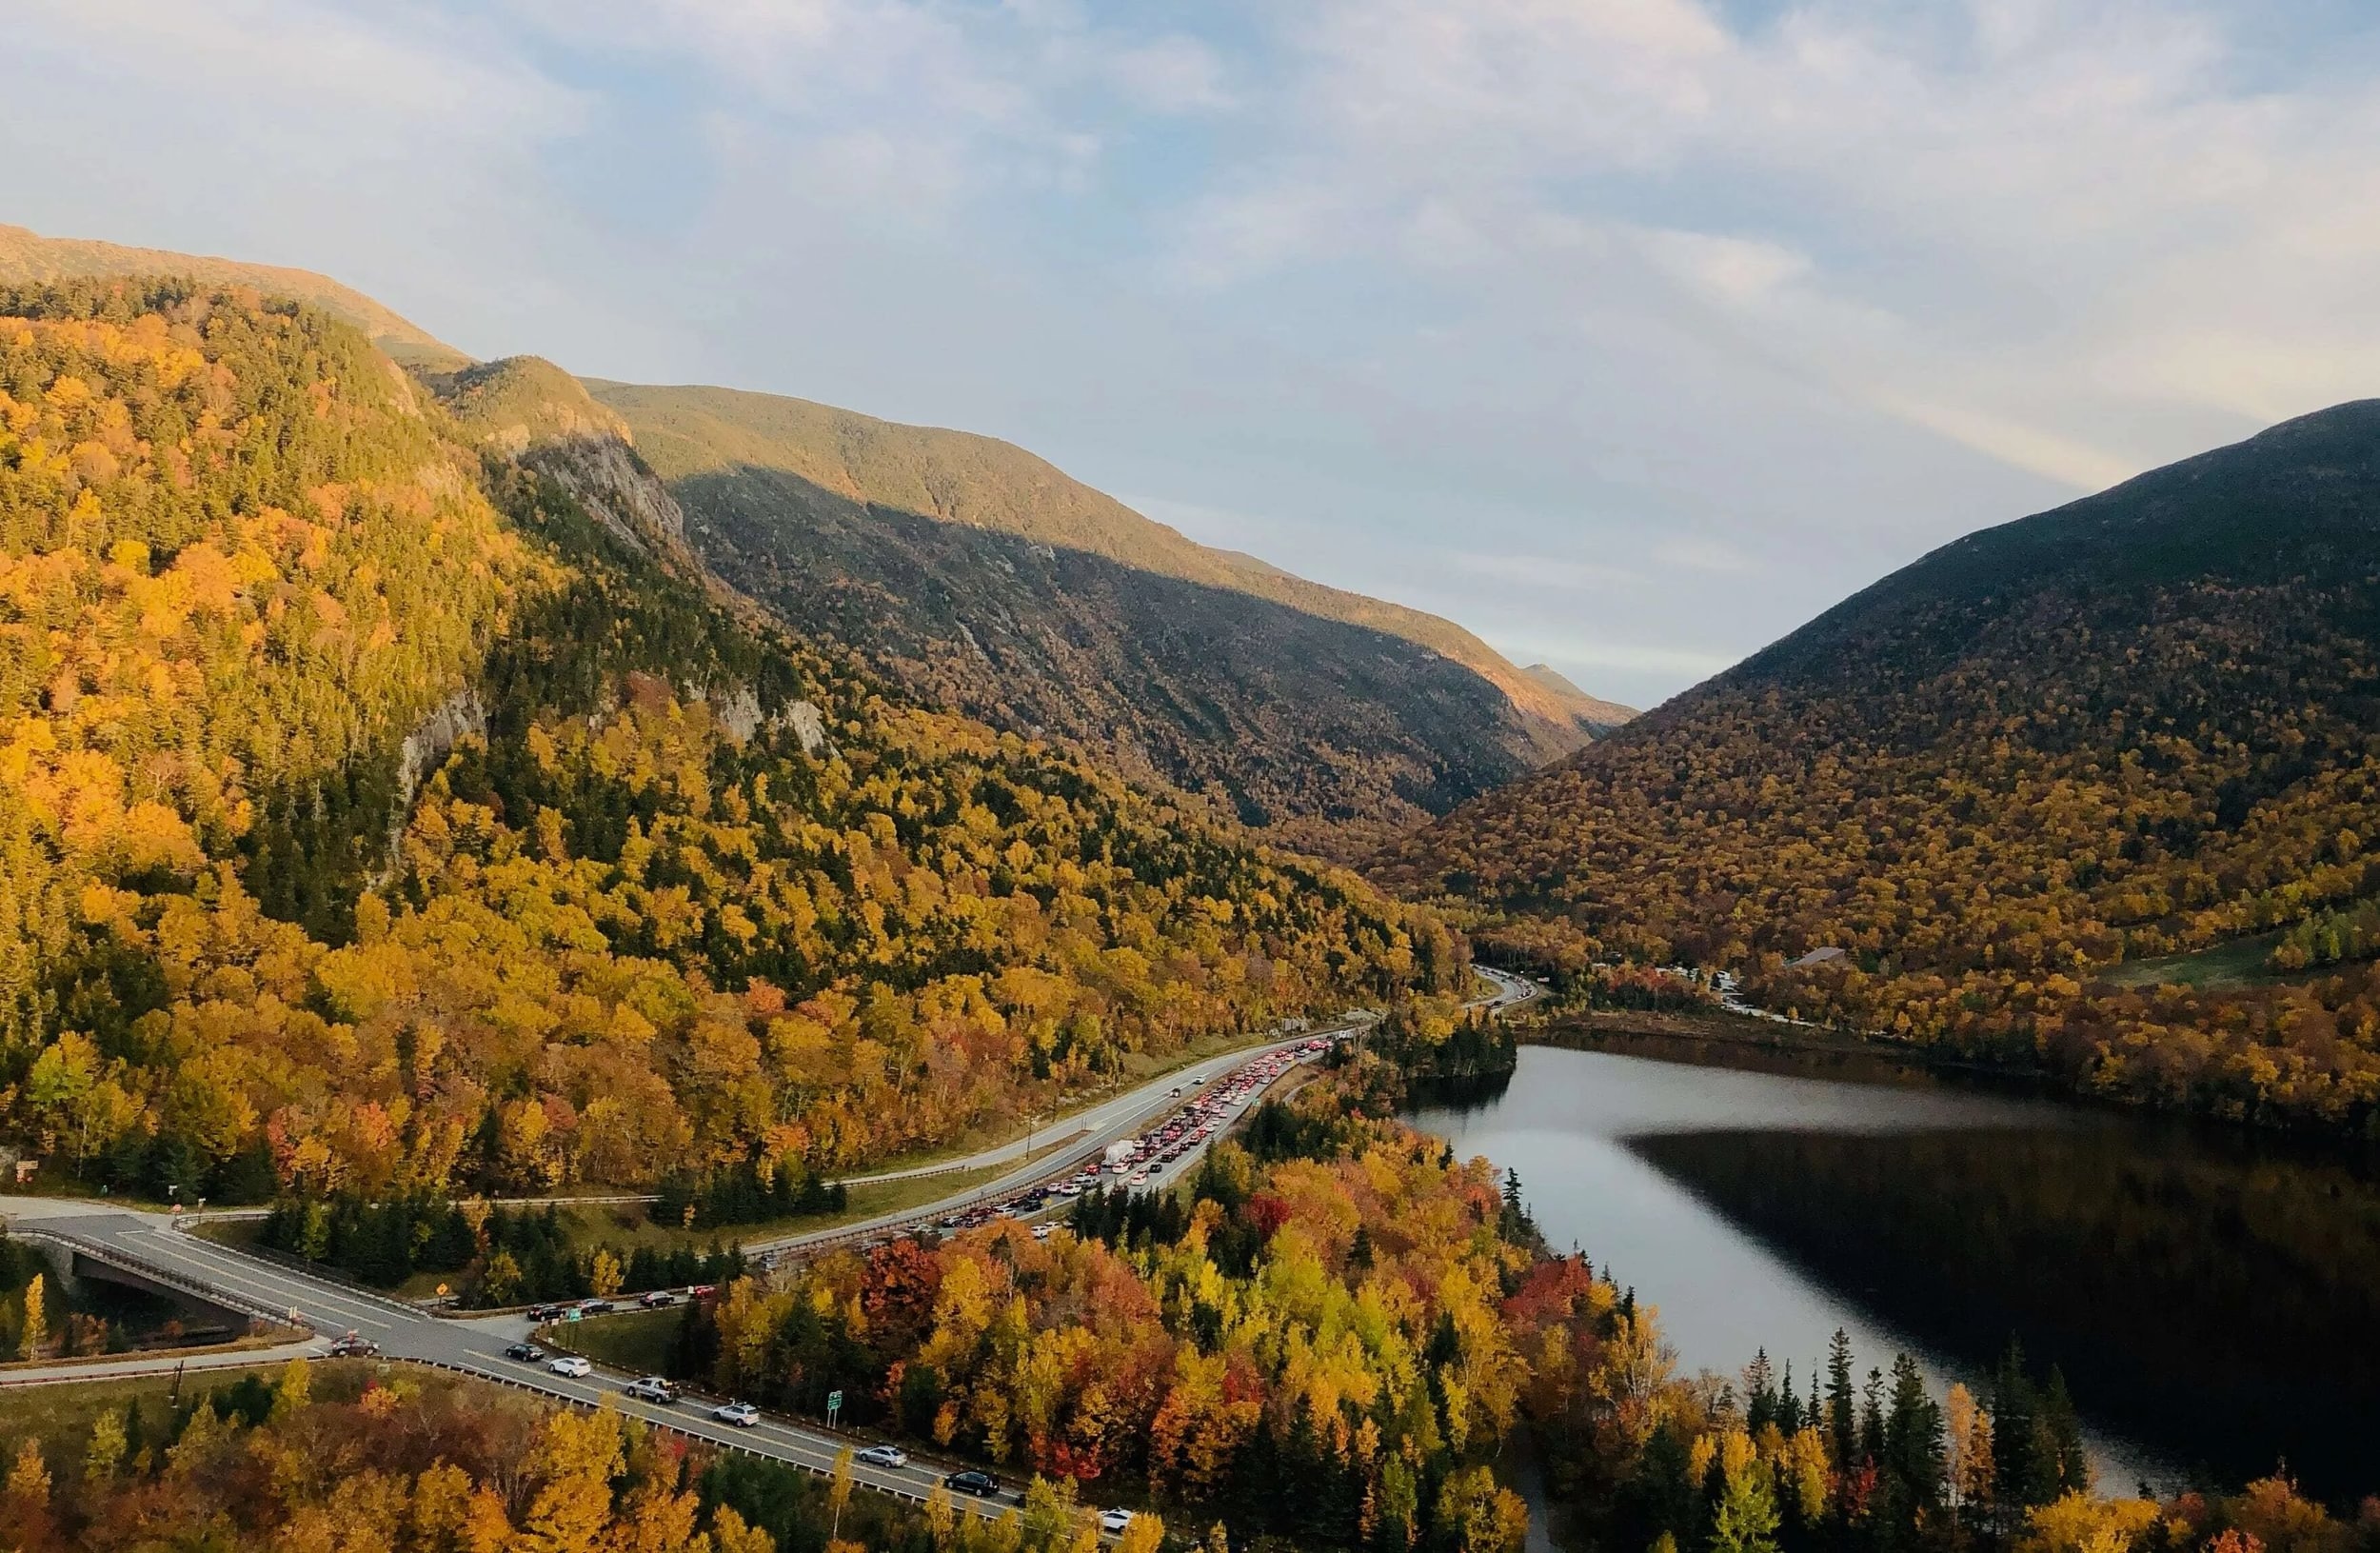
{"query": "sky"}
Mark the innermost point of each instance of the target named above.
(1629, 333)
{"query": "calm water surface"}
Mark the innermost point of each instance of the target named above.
(2215, 1304)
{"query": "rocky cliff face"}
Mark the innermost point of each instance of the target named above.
(602, 470)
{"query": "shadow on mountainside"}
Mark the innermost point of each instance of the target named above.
(1327, 732)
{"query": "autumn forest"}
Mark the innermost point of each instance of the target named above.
(408, 833)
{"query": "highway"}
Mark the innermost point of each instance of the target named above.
(148, 1243)
(1090, 1131)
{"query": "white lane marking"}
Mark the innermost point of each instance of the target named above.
(285, 1291)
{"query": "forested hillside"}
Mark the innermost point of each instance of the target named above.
(373, 817)
(2144, 724)
(987, 580)
(27, 257)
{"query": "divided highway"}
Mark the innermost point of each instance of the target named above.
(148, 1243)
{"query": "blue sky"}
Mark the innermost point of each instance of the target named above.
(1630, 333)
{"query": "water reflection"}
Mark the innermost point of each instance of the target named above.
(2214, 1302)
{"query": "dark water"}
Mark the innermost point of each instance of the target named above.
(2215, 1304)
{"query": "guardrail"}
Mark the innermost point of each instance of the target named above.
(116, 1257)
(987, 1511)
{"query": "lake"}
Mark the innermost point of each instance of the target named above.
(2214, 1300)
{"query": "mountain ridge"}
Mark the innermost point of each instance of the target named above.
(985, 578)
(26, 255)
(2141, 724)
(686, 431)
(377, 817)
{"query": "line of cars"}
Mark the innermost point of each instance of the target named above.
(1137, 1159)
(650, 1300)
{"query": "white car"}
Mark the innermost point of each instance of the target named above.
(1114, 1519)
(741, 1414)
(884, 1456)
(571, 1366)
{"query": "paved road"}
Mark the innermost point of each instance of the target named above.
(147, 1242)
(1511, 991)
(1108, 1119)
(1126, 1116)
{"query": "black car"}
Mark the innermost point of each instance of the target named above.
(545, 1312)
(527, 1352)
(982, 1484)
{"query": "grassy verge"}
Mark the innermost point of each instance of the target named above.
(61, 1415)
(629, 1229)
(626, 1229)
(637, 1341)
(2226, 964)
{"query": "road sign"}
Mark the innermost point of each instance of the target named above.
(834, 1405)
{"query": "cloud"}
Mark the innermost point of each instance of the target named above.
(1547, 573)
(2046, 453)
(1170, 74)
(432, 74)
(1699, 554)
(1737, 271)
(2042, 198)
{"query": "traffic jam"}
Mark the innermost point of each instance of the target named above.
(1133, 1163)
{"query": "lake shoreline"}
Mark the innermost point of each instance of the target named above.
(1762, 1196)
(1691, 1038)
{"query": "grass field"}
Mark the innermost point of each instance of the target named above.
(60, 1414)
(624, 1224)
(2226, 964)
(634, 1340)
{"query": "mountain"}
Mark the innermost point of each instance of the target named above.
(378, 815)
(2144, 725)
(26, 256)
(1593, 711)
(522, 401)
(982, 577)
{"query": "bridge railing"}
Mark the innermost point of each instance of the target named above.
(131, 1262)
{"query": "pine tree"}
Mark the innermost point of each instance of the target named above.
(1841, 1417)
(1760, 1400)
(2062, 1431)
(1913, 1454)
(1872, 1418)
